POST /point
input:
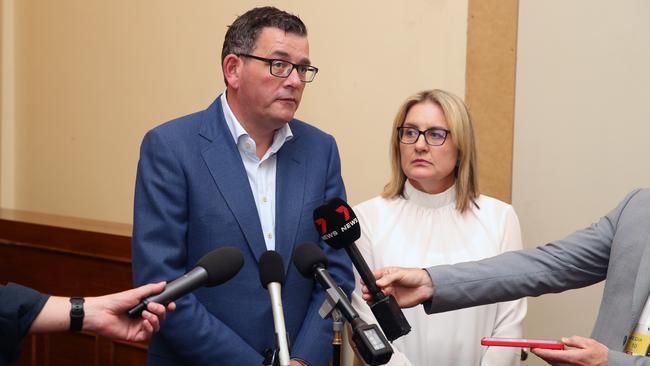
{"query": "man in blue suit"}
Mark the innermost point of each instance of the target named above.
(241, 173)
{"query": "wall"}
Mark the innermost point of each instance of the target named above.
(581, 131)
(93, 76)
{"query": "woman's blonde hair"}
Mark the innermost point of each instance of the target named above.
(462, 134)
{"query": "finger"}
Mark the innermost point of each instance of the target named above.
(367, 298)
(378, 273)
(381, 272)
(156, 309)
(577, 341)
(155, 322)
(545, 354)
(365, 290)
(171, 306)
(148, 328)
(388, 290)
(388, 278)
(146, 290)
(554, 356)
(152, 320)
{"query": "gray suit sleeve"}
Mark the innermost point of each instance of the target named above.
(579, 260)
(615, 358)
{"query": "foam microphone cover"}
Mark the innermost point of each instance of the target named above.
(307, 257)
(271, 268)
(337, 223)
(221, 264)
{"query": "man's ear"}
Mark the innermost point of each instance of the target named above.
(232, 65)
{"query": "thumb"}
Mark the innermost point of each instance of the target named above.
(576, 341)
(379, 273)
(147, 290)
(389, 275)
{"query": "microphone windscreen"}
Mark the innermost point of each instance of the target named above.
(221, 264)
(271, 268)
(337, 223)
(307, 257)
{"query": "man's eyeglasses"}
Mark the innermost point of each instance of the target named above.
(433, 136)
(282, 68)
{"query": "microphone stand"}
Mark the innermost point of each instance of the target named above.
(370, 342)
(328, 309)
(337, 341)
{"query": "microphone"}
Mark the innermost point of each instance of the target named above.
(339, 228)
(272, 278)
(213, 269)
(370, 342)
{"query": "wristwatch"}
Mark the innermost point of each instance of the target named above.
(76, 313)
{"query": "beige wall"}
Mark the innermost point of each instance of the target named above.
(581, 131)
(93, 76)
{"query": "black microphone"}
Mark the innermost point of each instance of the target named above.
(213, 269)
(339, 228)
(370, 342)
(272, 278)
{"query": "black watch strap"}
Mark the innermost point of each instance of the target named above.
(76, 313)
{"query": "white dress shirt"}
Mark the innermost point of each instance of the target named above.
(425, 230)
(260, 172)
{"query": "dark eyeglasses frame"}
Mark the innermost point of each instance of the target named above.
(402, 128)
(270, 61)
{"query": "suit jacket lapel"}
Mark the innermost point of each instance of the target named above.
(289, 192)
(227, 170)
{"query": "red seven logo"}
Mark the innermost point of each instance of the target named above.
(344, 211)
(323, 225)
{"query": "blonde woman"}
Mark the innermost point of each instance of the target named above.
(431, 212)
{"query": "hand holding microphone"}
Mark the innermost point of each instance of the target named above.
(409, 286)
(213, 269)
(339, 228)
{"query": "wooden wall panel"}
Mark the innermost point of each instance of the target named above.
(66, 257)
(63, 273)
(490, 89)
(128, 354)
(71, 349)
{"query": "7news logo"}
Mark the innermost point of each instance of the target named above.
(322, 223)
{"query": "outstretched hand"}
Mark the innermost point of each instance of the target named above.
(106, 315)
(584, 352)
(409, 286)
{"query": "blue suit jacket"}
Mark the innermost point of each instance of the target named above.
(192, 196)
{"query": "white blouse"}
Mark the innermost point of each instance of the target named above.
(424, 230)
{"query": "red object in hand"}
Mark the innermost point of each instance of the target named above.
(522, 342)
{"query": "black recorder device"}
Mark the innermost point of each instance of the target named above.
(339, 228)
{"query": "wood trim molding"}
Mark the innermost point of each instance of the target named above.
(91, 238)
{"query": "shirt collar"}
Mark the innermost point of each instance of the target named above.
(239, 134)
(428, 200)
